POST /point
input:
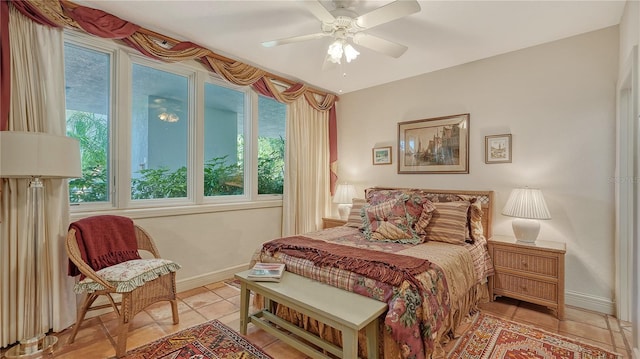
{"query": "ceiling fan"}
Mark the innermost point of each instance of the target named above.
(344, 24)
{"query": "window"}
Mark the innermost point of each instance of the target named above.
(271, 134)
(88, 101)
(224, 115)
(156, 134)
(159, 133)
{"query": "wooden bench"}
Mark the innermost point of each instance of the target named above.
(338, 308)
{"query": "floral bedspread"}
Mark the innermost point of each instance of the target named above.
(418, 315)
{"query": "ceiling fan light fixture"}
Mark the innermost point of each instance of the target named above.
(350, 53)
(335, 51)
(341, 47)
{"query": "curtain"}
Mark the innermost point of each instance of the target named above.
(307, 181)
(37, 105)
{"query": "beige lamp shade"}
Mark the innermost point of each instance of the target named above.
(527, 205)
(345, 193)
(35, 154)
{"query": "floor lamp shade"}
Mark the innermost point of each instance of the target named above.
(527, 205)
(36, 156)
(345, 193)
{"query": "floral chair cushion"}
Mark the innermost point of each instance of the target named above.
(129, 275)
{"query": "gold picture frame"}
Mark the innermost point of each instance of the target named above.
(434, 145)
(381, 155)
(497, 148)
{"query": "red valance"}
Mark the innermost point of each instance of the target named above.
(102, 24)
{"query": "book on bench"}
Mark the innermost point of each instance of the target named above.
(266, 272)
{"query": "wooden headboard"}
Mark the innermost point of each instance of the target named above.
(485, 197)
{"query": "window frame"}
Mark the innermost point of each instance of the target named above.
(120, 122)
(76, 39)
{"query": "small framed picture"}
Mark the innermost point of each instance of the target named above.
(382, 155)
(497, 148)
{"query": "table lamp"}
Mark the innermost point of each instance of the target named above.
(36, 156)
(527, 205)
(345, 193)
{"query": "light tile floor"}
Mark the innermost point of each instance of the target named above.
(222, 301)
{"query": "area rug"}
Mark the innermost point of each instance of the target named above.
(489, 337)
(206, 341)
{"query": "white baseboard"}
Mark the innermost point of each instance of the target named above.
(208, 278)
(590, 302)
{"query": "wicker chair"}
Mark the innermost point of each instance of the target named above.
(133, 300)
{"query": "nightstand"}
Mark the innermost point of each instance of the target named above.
(532, 272)
(332, 222)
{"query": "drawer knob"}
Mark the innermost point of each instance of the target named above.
(524, 264)
(524, 288)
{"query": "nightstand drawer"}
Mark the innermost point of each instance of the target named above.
(525, 261)
(525, 286)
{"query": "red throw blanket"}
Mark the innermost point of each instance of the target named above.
(385, 267)
(104, 241)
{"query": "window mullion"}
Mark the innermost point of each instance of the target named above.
(122, 140)
(196, 134)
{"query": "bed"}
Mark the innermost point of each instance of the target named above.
(423, 252)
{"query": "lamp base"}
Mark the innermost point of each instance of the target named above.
(343, 210)
(33, 347)
(525, 230)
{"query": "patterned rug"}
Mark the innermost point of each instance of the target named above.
(206, 341)
(490, 337)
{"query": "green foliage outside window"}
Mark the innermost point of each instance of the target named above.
(220, 178)
(92, 132)
(270, 165)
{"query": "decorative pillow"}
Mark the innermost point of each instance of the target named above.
(129, 275)
(425, 217)
(415, 200)
(388, 222)
(475, 229)
(448, 222)
(376, 196)
(354, 219)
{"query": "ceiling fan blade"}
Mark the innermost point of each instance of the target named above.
(379, 45)
(293, 39)
(389, 12)
(319, 11)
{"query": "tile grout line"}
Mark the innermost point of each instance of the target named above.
(624, 337)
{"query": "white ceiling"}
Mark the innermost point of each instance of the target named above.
(441, 35)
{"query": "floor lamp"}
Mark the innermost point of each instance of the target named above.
(36, 156)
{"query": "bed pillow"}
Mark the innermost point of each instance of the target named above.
(448, 222)
(388, 222)
(354, 219)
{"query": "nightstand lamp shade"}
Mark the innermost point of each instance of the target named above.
(345, 193)
(527, 205)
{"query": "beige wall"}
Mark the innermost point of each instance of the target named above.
(558, 102)
(213, 245)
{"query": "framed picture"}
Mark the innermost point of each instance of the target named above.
(497, 149)
(382, 155)
(434, 145)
